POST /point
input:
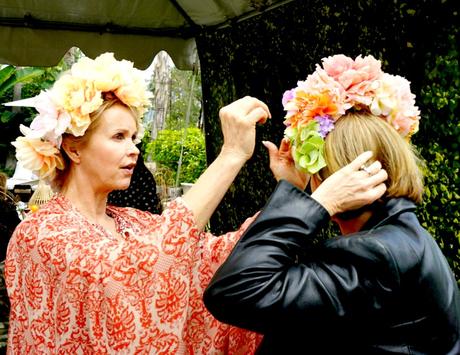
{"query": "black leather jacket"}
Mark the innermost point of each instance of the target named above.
(385, 290)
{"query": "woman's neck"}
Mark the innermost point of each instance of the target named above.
(353, 225)
(89, 202)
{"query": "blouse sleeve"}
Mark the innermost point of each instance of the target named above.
(187, 250)
(180, 235)
(217, 248)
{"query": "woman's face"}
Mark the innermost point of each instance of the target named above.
(108, 158)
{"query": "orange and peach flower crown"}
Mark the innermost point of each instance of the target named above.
(67, 106)
(339, 85)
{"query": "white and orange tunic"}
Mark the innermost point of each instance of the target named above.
(76, 289)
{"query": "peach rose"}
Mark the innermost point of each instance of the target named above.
(79, 98)
(39, 156)
(104, 72)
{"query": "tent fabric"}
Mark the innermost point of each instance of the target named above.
(40, 32)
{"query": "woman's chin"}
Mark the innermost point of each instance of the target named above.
(122, 185)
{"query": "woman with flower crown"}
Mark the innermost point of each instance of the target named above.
(383, 286)
(86, 277)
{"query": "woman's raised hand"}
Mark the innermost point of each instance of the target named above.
(238, 121)
(352, 186)
(282, 164)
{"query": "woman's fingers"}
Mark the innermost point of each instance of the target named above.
(375, 166)
(282, 164)
(238, 122)
(379, 178)
(249, 107)
(379, 190)
(258, 115)
(285, 148)
(249, 103)
(373, 173)
(353, 186)
(359, 161)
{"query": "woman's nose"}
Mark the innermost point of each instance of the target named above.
(133, 149)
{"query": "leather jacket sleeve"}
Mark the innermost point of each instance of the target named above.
(275, 277)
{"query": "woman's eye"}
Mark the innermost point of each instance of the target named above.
(119, 136)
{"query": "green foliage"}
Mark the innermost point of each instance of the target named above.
(5, 76)
(33, 79)
(10, 76)
(146, 139)
(440, 212)
(165, 150)
(181, 89)
(263, 57)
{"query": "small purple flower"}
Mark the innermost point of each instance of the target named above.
(287, 96)
(326, 124)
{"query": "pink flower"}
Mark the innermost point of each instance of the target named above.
(287, 96)
(51, 122)
(337, 64)
(355, 76)
(394, 101)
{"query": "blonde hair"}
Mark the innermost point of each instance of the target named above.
(3, 181)
(357, 132)
(4, 193)
(110, 101)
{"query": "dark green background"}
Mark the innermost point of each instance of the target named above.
(268, 54)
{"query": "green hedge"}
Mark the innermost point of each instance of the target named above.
(165, 151)
(440, 145)
(268, 54)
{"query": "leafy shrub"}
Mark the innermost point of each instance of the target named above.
(259, 59)
(439, 145)
(165, 150)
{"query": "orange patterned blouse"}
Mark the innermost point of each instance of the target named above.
(76, 289)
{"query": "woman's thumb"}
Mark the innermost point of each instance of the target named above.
(285, 146)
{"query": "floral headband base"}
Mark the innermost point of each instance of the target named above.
(339, 85)
(66, 108)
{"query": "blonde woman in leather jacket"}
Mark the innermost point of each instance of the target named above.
(382, 287)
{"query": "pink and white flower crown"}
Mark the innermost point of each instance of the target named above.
(339, 85)
(67, 106)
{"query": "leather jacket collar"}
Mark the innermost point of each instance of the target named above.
(386, 210)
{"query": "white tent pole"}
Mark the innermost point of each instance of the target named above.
(187, 120)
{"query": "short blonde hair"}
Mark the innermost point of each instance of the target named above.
(61, 175)
(357, 132)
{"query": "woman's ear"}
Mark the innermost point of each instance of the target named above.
(71, 149)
